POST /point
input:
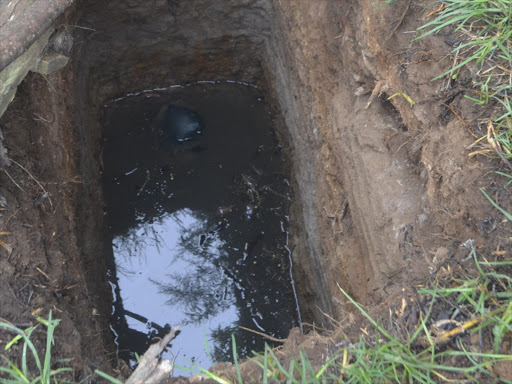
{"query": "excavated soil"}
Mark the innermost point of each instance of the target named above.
(385, 193)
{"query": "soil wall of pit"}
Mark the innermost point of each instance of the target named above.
(387, 194)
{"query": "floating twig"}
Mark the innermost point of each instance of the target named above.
(145, 182)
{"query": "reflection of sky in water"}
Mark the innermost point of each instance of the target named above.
(175, 260)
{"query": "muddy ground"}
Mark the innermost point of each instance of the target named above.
(386, 192)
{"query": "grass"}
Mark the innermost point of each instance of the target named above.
(44, 371)
(36, 367)
(486, 26)
(396, 360)
(482, 35)
(483, 299)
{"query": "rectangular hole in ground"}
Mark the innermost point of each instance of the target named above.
(199, 227)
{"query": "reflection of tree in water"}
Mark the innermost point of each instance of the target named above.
(132, 244)
(204, 290)
(223, 345)
(223, 273)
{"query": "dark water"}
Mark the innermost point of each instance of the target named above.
(199, 230)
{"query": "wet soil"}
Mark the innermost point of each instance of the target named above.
(199, 229)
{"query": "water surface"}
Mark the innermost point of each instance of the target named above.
(199, 231)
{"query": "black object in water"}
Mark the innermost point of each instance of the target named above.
(179, 124)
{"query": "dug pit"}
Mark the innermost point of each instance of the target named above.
(381, 195)
(200, 229)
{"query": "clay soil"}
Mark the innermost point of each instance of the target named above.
(41, 265)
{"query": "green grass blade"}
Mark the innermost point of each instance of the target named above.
(265, 365)
(108, 377)
(375, 324)
(14, 371)
(507, 215)
(235, 357)
(14, 340)
(49, 341)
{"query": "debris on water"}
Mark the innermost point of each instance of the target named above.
(130, 172)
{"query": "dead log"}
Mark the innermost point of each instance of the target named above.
(17, 35)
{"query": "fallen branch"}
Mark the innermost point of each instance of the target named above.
(152, 370)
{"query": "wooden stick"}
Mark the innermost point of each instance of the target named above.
(150, 370)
